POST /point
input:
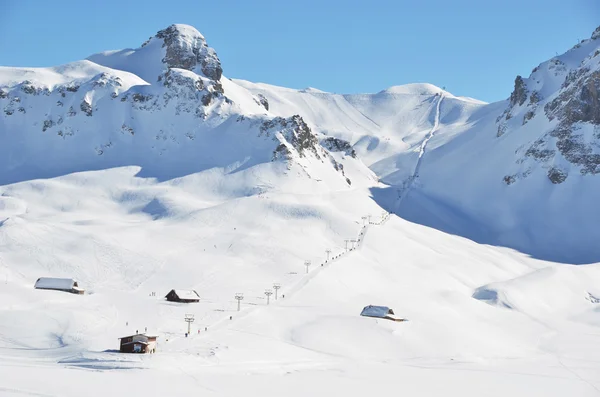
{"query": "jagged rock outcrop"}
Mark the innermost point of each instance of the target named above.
(572, 111)
(519, 94)
(338, 145)
(263, 101)
(295, 134)
(186, 49)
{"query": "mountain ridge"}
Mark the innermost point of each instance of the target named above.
(166, 106)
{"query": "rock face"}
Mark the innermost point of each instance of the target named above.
(186, 49)
(519, 94)
(565, 92)
(338, 145)
(294, 134)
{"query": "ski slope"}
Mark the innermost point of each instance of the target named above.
(482, 319)
(155, 172)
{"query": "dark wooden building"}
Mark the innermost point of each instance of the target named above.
(184, 296)
(139, 343)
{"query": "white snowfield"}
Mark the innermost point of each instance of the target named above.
(220, 215)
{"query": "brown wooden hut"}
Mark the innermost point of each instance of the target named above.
(139, 343)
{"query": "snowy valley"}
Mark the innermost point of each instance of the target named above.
(143, 170)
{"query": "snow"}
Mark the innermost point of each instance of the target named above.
(55, 283)
(210, 211)
(186, 294)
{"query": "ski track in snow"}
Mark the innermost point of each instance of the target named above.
(423, 148)
(484, 320)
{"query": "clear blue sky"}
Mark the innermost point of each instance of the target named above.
(472, 47)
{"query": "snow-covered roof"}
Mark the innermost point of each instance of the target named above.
(56, 283)
(143, 335)
(140, 342)
(376, 311)
(186, 294)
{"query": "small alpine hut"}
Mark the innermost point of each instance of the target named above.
(380, 312)
(59, 284)
(183, 296)
(138, 343)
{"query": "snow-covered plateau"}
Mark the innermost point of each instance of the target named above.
(139, 171)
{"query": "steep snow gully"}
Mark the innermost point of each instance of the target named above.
(408, 184)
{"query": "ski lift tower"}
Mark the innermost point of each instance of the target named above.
(239, 297)
(189, 319)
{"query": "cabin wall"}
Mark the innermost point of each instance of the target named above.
(151, 346)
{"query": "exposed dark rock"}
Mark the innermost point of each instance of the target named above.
(218, 88)
(125, 128)
(596, 34)
(71, 112)
(338, 145)
(295, 131)
(86, 107)
(281, 152)
(509, 179)
(173, 78)
(137, 97)
(28, 88)
(105, 79)
(65, 132)
(579, 102)
(501, 130)
(21, 109)
(145, 43)
(263, 101)
(189, 52)
(207, 99)
(557, 175)
(3, 94)
(528, 116)
(534, 98)
(538, 151)
(519, 94)
(47, 124)
(302, 138)
(72, 88)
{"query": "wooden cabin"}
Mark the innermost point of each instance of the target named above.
(183, 296)
(59, 284)
(139, 343)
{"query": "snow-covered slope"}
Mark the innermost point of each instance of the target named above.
(164, 107)
(144, 170)
(519, 173)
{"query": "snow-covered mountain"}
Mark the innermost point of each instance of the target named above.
(164, 106)
(519, 173)
(143, 170)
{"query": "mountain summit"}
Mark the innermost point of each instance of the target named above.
(178, 46)
(164, 106)
(453, 163)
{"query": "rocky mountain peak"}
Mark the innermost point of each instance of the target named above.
(596, 34)
(186, 48)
